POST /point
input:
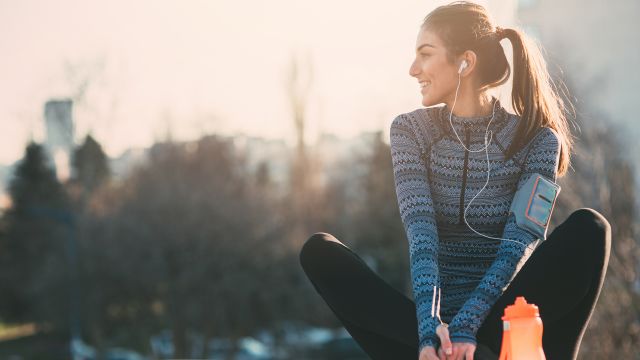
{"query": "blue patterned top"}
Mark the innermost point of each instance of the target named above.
(457, 275)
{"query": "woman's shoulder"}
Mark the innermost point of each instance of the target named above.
(545, 136)
(421, 122)
(545, 142)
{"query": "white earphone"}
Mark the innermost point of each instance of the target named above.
(463, 65)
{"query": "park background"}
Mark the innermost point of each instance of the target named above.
(162, 163)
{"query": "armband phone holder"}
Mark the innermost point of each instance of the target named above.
(533, 204)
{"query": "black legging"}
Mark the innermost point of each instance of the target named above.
(563, 277)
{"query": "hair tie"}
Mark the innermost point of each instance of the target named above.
(499, 32)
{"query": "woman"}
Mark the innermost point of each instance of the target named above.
(457, 170)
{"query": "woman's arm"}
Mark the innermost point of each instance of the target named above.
(418, 216)
(543, 159)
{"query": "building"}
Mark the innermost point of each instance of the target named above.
(59, 140)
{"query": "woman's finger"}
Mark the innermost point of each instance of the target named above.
(443, 333)
(430, 353)
(464, 352)
(469, 354)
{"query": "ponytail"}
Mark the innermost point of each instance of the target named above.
(535, 98)
(464, 25)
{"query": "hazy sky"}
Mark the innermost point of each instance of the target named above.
(203, 66)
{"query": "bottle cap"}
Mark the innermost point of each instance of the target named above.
(520, 309)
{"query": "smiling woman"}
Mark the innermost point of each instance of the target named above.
(470, 255)
(436, 77)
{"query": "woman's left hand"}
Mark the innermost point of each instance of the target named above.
(461, 351)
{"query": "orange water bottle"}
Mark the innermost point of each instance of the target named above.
(522, 334)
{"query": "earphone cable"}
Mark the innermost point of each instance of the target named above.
(488, 135)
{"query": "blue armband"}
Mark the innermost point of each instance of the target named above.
(533, 204)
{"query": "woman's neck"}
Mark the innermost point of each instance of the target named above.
(471, 103)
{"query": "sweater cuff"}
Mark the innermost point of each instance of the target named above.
(429, 337)
(428, 341)
(463, 338)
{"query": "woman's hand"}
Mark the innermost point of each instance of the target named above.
(455, 351)
(447, 350)
(463, 351)
(428, 353)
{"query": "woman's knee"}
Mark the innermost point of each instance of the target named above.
(314, 249)
(593, 227)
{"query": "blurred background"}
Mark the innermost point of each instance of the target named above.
(162, 163)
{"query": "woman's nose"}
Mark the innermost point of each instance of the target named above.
(414, 70)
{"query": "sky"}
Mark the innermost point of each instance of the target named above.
(185, 68)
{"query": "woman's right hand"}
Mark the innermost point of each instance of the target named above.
(446, 349)
(428, 353)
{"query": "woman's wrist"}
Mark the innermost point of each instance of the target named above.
(459, 337)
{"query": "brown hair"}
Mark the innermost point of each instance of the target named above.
(465, 26)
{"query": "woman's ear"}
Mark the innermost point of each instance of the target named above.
(470, 58)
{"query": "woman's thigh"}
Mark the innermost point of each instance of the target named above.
(370, 308)
(560, 277)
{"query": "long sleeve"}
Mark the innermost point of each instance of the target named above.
(418, 216)
(543, 158)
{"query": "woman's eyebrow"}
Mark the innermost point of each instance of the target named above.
(423, 45)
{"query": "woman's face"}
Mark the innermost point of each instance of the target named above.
(438, 77)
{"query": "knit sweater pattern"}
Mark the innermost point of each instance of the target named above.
(458, 275)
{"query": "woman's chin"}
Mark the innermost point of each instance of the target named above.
(428, 101)
(429, 98)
